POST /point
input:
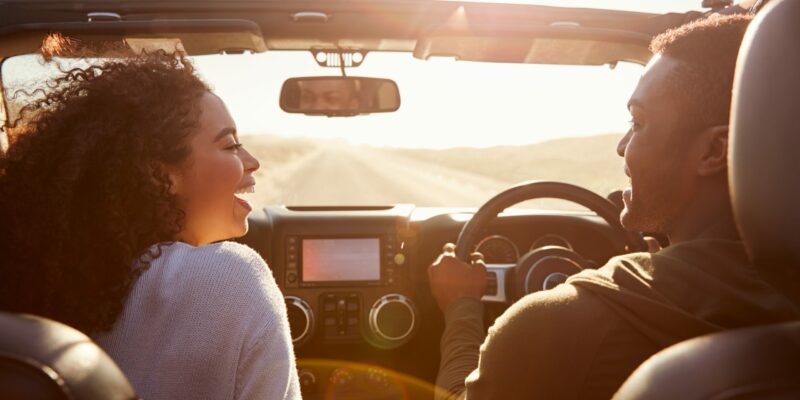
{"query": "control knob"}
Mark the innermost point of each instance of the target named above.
(301, 320)
(392, 321)
(308, 382)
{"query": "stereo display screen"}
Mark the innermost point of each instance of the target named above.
(341, 260)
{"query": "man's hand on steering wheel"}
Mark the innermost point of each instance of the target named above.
(452, 279)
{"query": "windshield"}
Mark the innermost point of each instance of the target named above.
(464, 132)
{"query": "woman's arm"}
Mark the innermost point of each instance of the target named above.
(267, 369)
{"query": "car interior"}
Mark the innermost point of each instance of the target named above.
(363, 320)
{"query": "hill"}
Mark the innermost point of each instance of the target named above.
(591, 162)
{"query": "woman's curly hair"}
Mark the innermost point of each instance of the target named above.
(84, 198)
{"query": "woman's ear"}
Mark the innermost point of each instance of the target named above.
(174, 175)
(715, 151)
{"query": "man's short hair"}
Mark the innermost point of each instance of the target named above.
(707, 50)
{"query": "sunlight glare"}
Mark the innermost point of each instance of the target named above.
(445, 103)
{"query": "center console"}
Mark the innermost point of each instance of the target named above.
(346, 279)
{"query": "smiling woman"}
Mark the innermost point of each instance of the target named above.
(117, 180)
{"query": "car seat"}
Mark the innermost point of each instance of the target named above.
(41, 359)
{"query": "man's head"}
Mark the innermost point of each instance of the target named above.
(676, 148)
(328, 94)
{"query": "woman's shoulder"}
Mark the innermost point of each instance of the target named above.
(229, 268)
(231, 253)
(219, 250)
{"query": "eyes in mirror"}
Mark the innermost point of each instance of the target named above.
(338, 96)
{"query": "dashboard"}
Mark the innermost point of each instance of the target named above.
(361, 313)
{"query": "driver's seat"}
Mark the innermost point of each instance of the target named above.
(762, 362)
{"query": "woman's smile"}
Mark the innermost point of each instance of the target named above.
(249, 187)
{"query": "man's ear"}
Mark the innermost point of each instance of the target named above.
(714, 158)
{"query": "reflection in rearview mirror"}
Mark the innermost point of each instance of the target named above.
(339, 96)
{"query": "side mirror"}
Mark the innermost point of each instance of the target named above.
(339, 96)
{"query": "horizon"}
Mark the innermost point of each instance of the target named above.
(262, 137)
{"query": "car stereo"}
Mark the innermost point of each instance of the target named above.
(327, 261)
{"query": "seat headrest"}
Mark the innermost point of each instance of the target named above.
(764, 159)
(47, 356)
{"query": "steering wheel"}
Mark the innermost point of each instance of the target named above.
(548, 266)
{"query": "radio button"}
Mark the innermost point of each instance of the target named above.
(399, 259)
(491, 283)
(291, 277)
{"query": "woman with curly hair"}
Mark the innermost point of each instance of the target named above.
(116, 193)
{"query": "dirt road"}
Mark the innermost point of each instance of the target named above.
(355, 175)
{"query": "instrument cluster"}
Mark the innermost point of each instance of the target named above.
(499, 249)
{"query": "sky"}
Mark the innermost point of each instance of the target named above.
(444, 103)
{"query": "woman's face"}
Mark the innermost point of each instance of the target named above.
(208, 182)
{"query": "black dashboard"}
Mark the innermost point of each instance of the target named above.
(355, 283)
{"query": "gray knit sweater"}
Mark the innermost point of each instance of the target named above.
(205, 323)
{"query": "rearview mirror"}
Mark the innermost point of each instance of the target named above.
(339, 96)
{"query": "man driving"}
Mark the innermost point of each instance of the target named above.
(583, 338)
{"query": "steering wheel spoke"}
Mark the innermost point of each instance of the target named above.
(496, 277)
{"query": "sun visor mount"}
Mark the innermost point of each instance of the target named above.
(337, 58)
